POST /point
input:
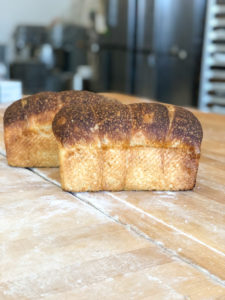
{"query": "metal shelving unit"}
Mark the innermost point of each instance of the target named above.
(212, 83)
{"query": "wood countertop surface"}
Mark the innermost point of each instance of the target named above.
(121, 245)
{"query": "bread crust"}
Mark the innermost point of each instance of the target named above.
(143, 124)
(186, 129)
(86, 123)
(43, 103)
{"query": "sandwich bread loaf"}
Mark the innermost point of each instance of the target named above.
(112, 146)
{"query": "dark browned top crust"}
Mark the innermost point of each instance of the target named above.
(81, 129)
(44, 102)
(85, 121)
(114, 123)
(152, 119)
(186, 128)
(21, 109)
(86, 116)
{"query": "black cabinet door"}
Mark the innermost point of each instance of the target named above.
(113, 71)
(120, 21)
(145, 76)
(145, 25)
(176, 80)
(178, 23)
(178, 39)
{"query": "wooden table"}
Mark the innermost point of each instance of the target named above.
(123, 245)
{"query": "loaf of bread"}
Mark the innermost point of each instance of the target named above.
(28, 135)
(112, 146)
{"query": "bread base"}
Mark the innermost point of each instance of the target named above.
(135, 168)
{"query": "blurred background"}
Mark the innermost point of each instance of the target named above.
(169, 50)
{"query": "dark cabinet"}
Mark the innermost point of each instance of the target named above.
(152, 48)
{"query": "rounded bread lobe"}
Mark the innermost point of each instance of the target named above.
(36, 104)
(79, 121)
(150, 120)
(113, 122)
(73, 123)
(186, 129)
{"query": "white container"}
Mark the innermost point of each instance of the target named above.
(10, 90)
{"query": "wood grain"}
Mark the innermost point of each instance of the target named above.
(138, 245)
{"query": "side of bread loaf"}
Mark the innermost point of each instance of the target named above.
(28, 135)
(144, 146)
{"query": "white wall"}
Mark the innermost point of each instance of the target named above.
(40, 12)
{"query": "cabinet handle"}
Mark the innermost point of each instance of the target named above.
(177, 52)
(182, 54)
